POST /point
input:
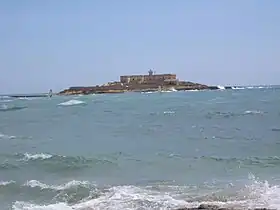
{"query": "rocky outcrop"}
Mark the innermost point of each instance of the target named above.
(214, 207)
(117, 88)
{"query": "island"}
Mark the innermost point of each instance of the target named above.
(139, 83)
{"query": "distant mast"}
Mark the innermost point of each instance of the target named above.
(50, 93)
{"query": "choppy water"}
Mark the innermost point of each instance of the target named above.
(141, 151)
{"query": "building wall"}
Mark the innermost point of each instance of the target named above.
(147, 78)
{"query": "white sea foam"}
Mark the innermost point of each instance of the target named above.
(166, 91)
(148, 92)
(168, 112)
(71, 184)
(253, 112)
(195, 90)
(71, 103)
(5, 183)
(238, 88)
(4, 107)
(173, 89)
(221, 87)
(29, 206)
(3, 136)
(4, 97)
(41, 156)
(257, 87)
(256, 194)
(6, 101)
(25, 98)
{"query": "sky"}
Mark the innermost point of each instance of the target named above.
(56, 44)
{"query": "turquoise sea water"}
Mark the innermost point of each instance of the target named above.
(141, 151)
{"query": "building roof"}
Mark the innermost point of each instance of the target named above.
(141, 75)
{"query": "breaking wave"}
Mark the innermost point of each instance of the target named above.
(3, 136)
(42, 186)
(252, 87)
(168, 112)
(5, 100)
(5, 97)
(69, 185)
(8, 166)
(210, 115)
(6, 183)
(266, 161)
(238, 88)
(5, 108)
(57, 163)
(255, 194)
(61, 163)
(261, 161)
(46, 157)
(221, 87)
(72, 103)
(253, 112)
(41, 156)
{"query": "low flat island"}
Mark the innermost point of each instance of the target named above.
(140, 83)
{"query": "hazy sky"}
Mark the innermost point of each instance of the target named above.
(61, 43)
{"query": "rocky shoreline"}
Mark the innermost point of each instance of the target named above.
(214, 207)
(123, 88)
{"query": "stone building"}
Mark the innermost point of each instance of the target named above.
(150, 78)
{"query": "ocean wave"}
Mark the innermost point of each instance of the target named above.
(148, 92)
(238, 88)
(168, 112)
(275, 129)
(8, 166)
(195, 90)
(30, 206)
(267, 161)
(54, 163)
(258, 87)
(5, 97)
(5, 101)
(251, 87)
(41, 156)
(271, 161)
(37, 184)
(3, 136)
(72, 103)
(220, 87)
(57, 163)
(6, 108)
(6, 183)
(72, 191)
(66, 186)
(210, 115)
(255, 194)
(25, 98)
(59, 158)
(253, 112)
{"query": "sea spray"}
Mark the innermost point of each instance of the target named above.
(72, 103)
(257, 194)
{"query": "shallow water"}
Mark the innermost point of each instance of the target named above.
(141, 151)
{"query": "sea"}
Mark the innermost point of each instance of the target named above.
(161, 150)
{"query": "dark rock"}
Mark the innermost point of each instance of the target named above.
(206, 206)
(203, 206)
(214, 207)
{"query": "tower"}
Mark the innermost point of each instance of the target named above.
(150, 72)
